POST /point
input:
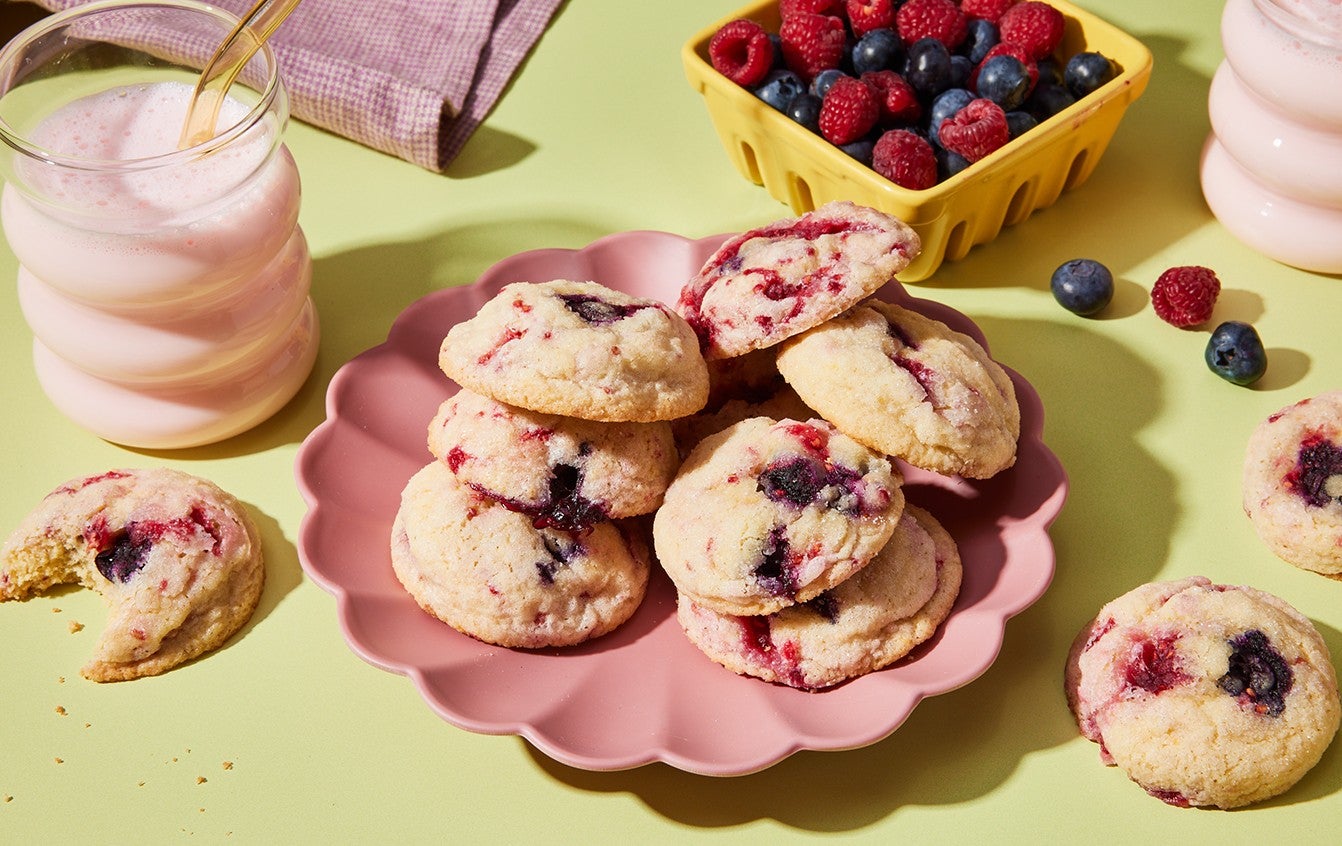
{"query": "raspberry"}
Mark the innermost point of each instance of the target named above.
(939, 19)
(1034, 26)
(812, 43)
(866, 15)
(742, 52)
(1184, 296)
(905, 158)
(899, 102)
(788, 8)
(988, 10)
(849, 111)
(1004, 49)
(976, 130)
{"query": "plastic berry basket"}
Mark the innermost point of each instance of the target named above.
(803, 170)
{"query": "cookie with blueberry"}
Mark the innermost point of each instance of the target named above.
(1204, 694)
(1292, 483)
(177, 560)
(768, 284)
(564, 472)
(869, 621)
(909, 386)
(490, 573)
(769, 513)
(579, 349)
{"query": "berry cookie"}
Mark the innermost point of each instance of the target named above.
(489, 573)
(579, 349)
(769, 513)
(1204, 694)
(177, 560)
(1293, 483)
(908, 386)
(869, 621)
(771, 283)
(563, 472)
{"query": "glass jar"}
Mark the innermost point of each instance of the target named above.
(1272, 169)
(167, 289)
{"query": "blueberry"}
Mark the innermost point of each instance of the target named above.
(961, 70)
(773, 571)
(949, 163)
(980, 37)
(1049, 71)
(779, 87)
(1085, 72)
(125, 557)
(805, 110)
(946, 104)
(823, 80)
(878, 49)
(927, 67)
(1316, 472)
(1236, 354)
(592, 309)
(1005, 80)
(1047, 100)
(779, 63)
(1019, 123)
(1082, 286)
(861, 150)
(1258, 673)
(796, 480)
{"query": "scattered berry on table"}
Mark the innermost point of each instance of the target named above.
(779, 88)
(1085, 72)
(812, 43)
(905, 158)
(867, 15)
(1235, 353)
(1034, 26)
(1082, 286)
(988, 10)
(939, 19)
(849, 111)
(976, 130)
(1185, 296)
(742, 52)
(1004, 80)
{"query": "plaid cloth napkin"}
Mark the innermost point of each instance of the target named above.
(413, 78)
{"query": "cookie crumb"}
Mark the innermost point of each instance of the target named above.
(60, 760)
(76, 626)
(140, 784)
(9, 798)
(60, 709)
(201, 779)
(228, 765)
(60, 680)
(88, 725)
(55, 610)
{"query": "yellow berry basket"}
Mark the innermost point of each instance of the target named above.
(802, 169)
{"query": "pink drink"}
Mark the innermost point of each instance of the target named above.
(167, 290)
(1272, 168)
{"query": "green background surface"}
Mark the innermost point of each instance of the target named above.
(600, 134)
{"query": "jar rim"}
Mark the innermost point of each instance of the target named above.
(1295, 17)
(15, 140)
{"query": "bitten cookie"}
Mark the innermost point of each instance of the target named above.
(1293, 483)
(908, 386)
(560, 471)
(770, 283)
(769, 513)
(177, 561)
(869, 621)
(489, 573)
(1204, 694)
(579, 349)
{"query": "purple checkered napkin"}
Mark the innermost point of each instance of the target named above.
(413, 78)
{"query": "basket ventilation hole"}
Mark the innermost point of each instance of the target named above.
(1019, 207)
(752, 165)
(1077, 172)
(802, 201)
(956, 245)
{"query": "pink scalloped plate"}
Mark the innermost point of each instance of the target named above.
(643, 693)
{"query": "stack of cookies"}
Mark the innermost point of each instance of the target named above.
(560, 430)
(759, 422)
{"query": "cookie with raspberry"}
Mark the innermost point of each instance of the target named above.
(867, 622)
(1204, 694)
(563, 472)
(769, 513)
(766, 285)
(1292, 484)
(177, 560)
(908, 385)
(579, 349)
(489, 573)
